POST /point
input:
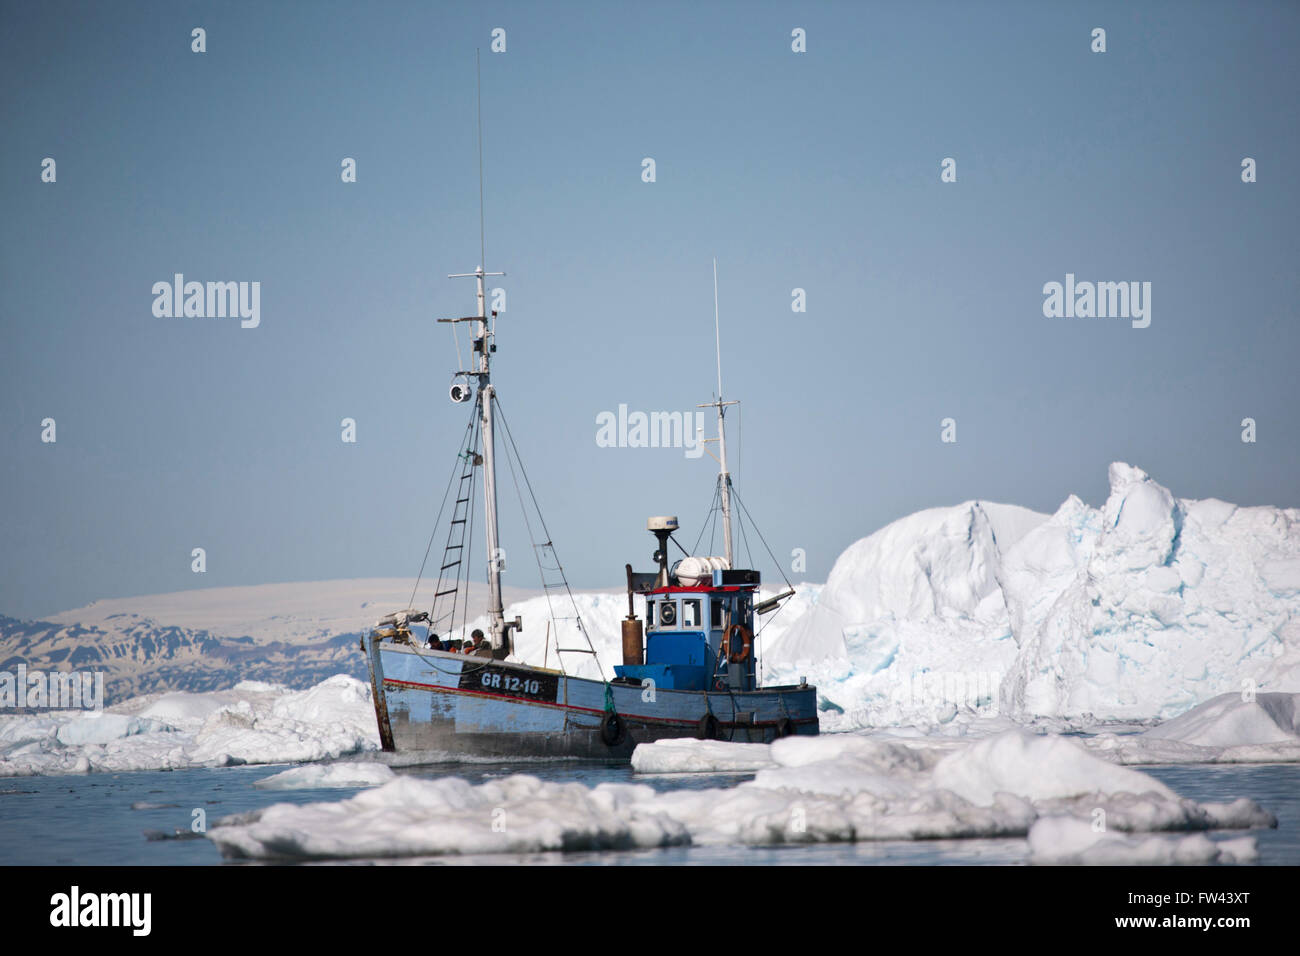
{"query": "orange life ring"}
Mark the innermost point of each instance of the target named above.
(747, 637)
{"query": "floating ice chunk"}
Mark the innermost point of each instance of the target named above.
(1229, 728)
(1038, 768)
(411, 817)
(1056, 839)
(693, 756)
(883, 753)
(320, 776)
(1230, 720)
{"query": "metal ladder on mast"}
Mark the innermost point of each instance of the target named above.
(454, 557)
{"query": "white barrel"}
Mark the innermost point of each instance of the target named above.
(693, 572)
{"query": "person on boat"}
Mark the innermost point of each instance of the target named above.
(478, 646)
(435, 642)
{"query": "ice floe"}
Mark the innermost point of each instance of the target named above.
(254, 723)
(329, 775)
(692, 756)
(1230, 728)
(842, 788)
(1069, 840)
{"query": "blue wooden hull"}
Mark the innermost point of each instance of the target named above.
(442, 702)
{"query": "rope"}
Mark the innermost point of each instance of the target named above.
(537, 557)
(432, 662)
(541, 519)
(705, 523)
(749, 556)
(776, 563)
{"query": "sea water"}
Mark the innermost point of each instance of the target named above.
(151, 817)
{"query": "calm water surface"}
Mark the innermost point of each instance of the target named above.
(132, 818)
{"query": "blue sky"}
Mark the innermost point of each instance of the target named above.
(817, 170)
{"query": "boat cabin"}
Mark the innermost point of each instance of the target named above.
(698, 636)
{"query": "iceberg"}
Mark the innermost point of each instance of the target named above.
(1138, 610)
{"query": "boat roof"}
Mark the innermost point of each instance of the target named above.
(697, 588)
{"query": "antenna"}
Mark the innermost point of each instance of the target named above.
(717, 334)
(478, 89)
(724, 478)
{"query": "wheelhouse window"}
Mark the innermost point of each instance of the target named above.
(667, 613)
(715, 616)
(649, 613)
(691, 613)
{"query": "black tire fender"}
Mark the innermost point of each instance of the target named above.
(613, 729)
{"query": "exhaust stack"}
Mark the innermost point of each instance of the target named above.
(633, 634)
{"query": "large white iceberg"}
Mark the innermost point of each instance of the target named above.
(1141, 609)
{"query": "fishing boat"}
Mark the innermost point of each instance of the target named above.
(689, 663)
(689, 666)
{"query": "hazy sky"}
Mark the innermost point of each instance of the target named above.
(816, 170)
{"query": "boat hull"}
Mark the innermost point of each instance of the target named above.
(449, 703)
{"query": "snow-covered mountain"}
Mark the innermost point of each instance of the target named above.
(139, 655)
(293, 634)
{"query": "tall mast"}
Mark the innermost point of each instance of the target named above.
(484, 343)
(724, 476)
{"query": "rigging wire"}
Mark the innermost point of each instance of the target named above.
(537, 556)
(781, 607)
(749, 556)
(541, 519)
(715, 514)
(695, 549)
(776, 563)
